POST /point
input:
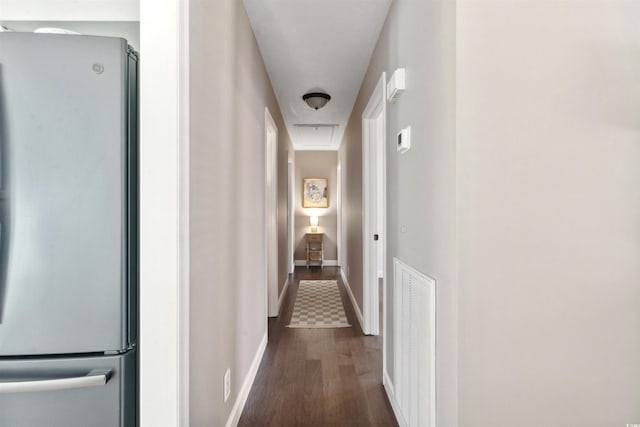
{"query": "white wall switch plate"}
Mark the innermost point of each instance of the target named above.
(404, 140)
(227, 384)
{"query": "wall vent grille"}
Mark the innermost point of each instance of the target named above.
(414, 345)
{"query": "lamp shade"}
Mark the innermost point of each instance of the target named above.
(313, 220)
(316, 100)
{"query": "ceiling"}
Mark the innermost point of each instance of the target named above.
(316, 45)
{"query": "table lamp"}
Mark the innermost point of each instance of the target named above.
(313, 220)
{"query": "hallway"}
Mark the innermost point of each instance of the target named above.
(318, 377)
(517, 191)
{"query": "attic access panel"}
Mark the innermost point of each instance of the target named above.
(314, 135)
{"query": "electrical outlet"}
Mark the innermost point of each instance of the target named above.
(227, 384)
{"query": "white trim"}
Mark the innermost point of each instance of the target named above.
(339, 211)
(283, 294)
(356, 308)
(385, 313)
(243, 394)
(291, 215)
(391, 395)
(271, 215)
(373, 114)
(161, 215)
(385, 273)
(184, 296)
(382, 189)
(316, 147)
(388, 385)
(325, 263)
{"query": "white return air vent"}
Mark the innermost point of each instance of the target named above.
(414, 346)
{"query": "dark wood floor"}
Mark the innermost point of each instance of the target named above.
(318, 377)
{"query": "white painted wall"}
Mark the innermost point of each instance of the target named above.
(70, 10)
(548, 134)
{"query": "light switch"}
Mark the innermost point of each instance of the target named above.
(404, 140)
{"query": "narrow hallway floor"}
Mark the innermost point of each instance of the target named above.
(318, 377)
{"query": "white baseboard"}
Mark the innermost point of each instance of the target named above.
(283, 294)
(241, 400)
(388, 388)
(326, 263)
(356, 308)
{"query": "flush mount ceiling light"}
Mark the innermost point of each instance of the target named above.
(316, 100)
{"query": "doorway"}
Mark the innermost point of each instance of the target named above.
(290, 216)
(271, 211)
(373, 204)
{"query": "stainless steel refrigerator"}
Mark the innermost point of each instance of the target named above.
(68, 231)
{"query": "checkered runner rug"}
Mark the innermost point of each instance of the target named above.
(318, 305)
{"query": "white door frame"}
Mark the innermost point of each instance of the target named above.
(271, 212)
(339, 213)
(291, 198)
(164, 213)
(373, 204)
(184, 185)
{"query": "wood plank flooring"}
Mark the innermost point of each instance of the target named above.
(318, 377)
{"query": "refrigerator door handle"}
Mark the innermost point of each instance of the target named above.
(94, 378)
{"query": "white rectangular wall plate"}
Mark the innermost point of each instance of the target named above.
(227, 384)
(396, 85)
(404, 140)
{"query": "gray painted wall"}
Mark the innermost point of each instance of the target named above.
(421, 190)
(521, 198)
(229, 91)
(316, 164)
(549, 212)
(350, 159)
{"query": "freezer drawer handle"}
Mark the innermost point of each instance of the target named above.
(94, 378)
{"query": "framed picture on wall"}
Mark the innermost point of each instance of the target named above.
(314, 193)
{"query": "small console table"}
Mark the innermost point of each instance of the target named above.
(315, 250)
